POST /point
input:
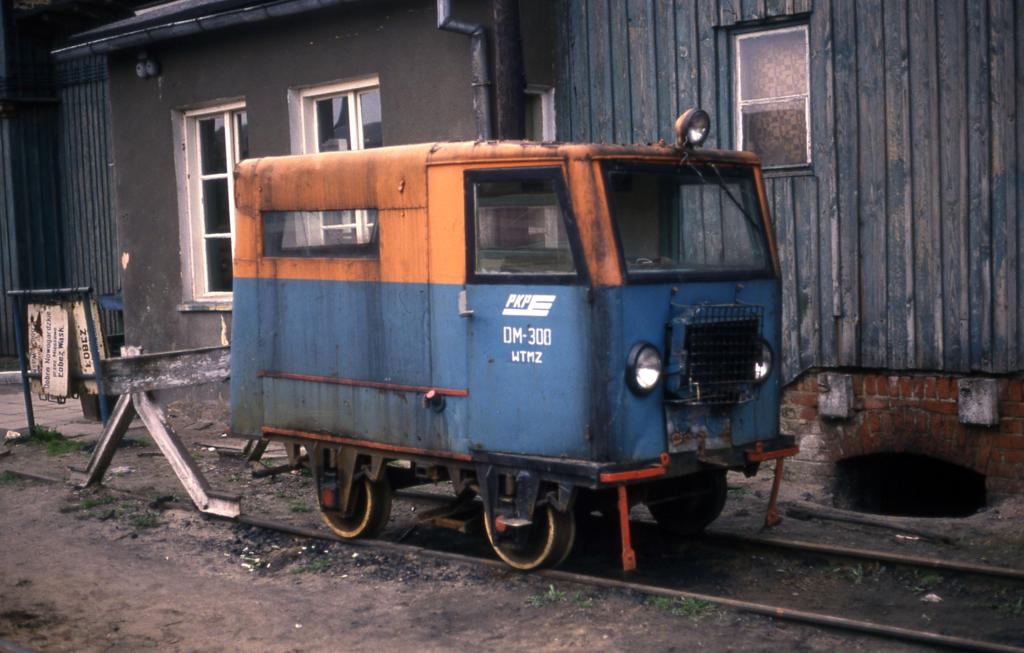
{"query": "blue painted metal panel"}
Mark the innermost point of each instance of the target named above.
(544, 365)
(246, 360)
(639, 431)
(528, 347)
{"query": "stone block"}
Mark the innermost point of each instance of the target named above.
(979, 401)
(835, 395)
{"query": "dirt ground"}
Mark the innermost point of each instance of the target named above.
(102, 570)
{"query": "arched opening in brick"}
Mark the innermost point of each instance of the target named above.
(909, 485)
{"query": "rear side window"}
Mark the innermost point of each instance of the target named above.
(344, 233)
(520, 228)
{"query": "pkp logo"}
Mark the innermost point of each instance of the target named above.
(529, 305)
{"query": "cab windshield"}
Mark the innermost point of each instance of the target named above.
(687, 218)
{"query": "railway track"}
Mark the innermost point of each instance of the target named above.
(763, 609)
(778, 612)
(816, 548)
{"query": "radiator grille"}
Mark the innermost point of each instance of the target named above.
(721, 346)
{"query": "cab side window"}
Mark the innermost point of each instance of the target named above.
(345, 233)
(519, 227)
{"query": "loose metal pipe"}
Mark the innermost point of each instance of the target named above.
(480, 67)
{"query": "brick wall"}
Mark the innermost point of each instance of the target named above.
(912, 414)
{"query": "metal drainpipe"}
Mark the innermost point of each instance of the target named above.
(478, 55)
(5, 74)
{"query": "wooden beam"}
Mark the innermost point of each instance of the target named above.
(184, 467)
(165, 370)
(115, 429)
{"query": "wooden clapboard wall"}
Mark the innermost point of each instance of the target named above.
(901, 244)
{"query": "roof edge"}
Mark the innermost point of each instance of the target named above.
(247, 15)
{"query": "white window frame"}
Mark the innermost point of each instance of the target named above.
(190, 200)
(302, 111)
(547, 109)
(740, 103)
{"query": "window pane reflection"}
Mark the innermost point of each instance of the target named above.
(211, 145)
(332, 124)
(369, 107)
(216, 209)
(218, 264)
(242, 134)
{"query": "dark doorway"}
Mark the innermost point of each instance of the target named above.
(908, 485)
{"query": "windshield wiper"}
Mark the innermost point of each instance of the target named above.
(725, 188)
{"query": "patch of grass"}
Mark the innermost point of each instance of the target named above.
(88, 503)
(317, 566)
(740, 491)
(583, 602)
(1014, 609)
(550, 597)
(54, 443)
(924, 581)
(694, 608)
(300, 507)
(682, 606)
(1005, 604)
(145, 520)
(855, 573)
(10, 478)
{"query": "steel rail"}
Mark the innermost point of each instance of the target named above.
(763, 609)
(825, 549)
(869, 554)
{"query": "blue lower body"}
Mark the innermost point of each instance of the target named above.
(541, 376)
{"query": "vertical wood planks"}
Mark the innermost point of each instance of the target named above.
(565, 108)
(871, 160)
(622, 115)
(1019, 66)
(924, 160)
(579, 89)
(903, 241)
(900, 231)
(643, 80)
(953, 182)
(1004, 185)
(707, 62)
(823, 155)
(844, 21)
(808, 278)
(753, 9)
(781, 189)
(8, 255)
(773, 8)
(979, 217)
(729, 11)
(602, 127)
(687, 55)
(88, 227)
(666, 56)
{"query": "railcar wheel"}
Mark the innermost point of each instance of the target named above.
(698, 501)
(548, 544)
(372, 508)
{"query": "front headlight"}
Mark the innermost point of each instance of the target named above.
(762, 362)
(643, 368)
